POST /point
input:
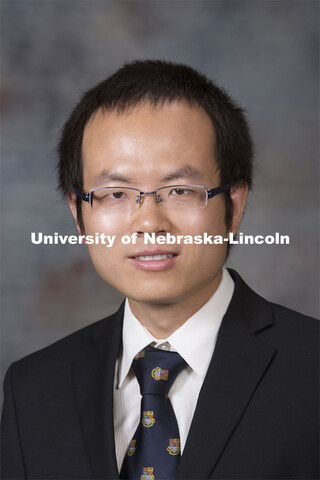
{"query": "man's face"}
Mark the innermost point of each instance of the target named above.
(142, 148)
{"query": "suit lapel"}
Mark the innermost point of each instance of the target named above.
(93, 381)
(240, 359)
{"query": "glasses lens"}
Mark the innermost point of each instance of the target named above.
(183, 197)
(114, 199)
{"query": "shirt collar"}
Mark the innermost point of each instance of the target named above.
(194, 340)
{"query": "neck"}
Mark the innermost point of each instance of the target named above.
(163, 319)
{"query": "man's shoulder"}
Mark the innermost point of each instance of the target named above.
(62, 353)
(294, 331)
(295, 318)
(285, 322)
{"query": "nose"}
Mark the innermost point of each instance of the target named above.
(149, 217)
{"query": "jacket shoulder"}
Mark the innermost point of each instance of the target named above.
(270, 319)
(300, 332)
(64, 351)
(296, 318)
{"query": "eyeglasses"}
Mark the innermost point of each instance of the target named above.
(173, 197)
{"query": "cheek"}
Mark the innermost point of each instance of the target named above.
(98, 222)
(204, 257)
(210, 220)
(105, 259)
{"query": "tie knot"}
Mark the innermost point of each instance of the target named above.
(156, 370)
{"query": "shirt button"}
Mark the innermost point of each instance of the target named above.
(164, 346)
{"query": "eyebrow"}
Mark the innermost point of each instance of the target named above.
(184, 172)
(110, 176)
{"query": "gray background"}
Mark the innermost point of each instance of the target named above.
(265, 53)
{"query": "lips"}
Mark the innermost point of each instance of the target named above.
(153, 261)
(147, 258)
(156, 252)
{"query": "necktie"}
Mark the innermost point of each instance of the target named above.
(154, 451)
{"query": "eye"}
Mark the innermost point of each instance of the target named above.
(110, 196)
(118, 195)
(179, 191)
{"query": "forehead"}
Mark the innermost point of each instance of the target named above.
(147, 138)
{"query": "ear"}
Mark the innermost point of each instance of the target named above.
(238, 195)
(72, 200)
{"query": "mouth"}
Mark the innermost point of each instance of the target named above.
(154, 261)
(147, 258)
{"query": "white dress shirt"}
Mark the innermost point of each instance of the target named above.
(194, 341)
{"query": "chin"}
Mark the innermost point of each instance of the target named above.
(155, 296)
(152, 300)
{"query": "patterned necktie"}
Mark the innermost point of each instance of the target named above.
(154, 451)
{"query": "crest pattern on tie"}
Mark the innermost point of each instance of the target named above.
(154, 451)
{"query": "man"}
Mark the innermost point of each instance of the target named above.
(195, 376)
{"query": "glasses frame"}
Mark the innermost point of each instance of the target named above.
(210, 193)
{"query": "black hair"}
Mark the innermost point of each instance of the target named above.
(159, 82)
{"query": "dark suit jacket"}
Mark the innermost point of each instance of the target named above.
(256, 416)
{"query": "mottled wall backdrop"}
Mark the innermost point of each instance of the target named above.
(264, 52)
